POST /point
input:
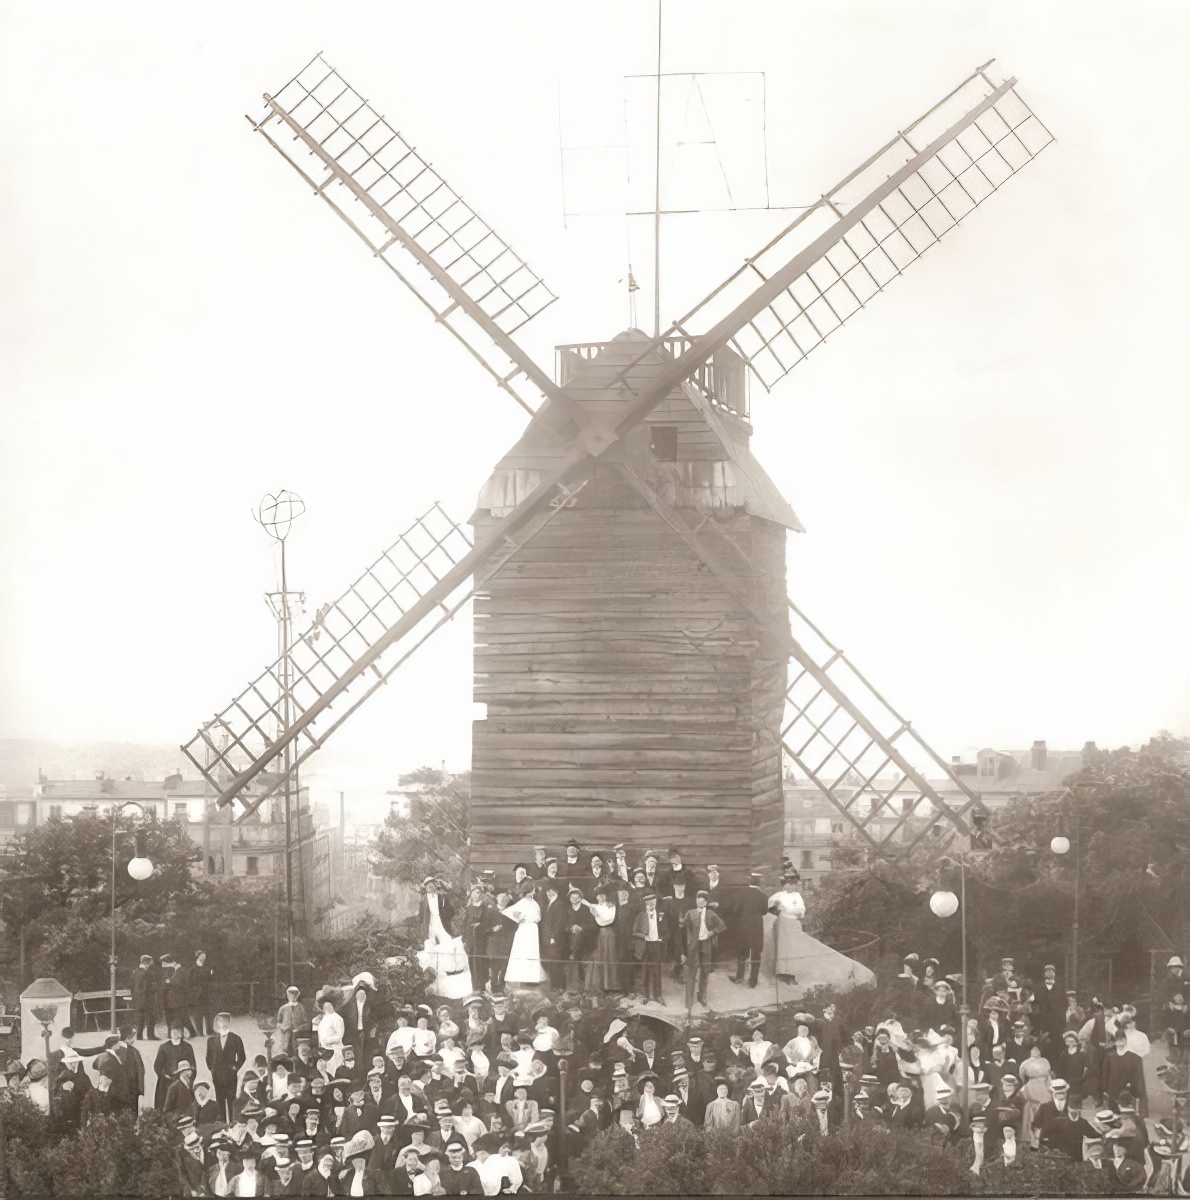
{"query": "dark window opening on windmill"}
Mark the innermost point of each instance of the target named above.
(663, 441)
(807, 860)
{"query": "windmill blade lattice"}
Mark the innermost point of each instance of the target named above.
(880, 219)
(409, 217)
(245, 733)
(863, 756)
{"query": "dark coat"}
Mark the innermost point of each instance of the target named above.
(1119, 1071)
(692, 924)
(141, 985)
(225, 1061)
(169, 1058)
(445, 910)
(1060, 1133)
(580, 933)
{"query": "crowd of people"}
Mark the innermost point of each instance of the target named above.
(496, 1090)
(591, 922)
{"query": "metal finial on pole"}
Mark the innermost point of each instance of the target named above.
(276, 516)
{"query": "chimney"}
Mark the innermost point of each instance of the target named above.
(1037, 756)
(1089, 752)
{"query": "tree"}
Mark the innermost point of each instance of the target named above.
(1133, 830)
(59, 890)
(433, 838)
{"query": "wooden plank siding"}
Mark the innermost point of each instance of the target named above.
(629, 696)
(622, 692)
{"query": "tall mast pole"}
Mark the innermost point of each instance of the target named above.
(657, 194)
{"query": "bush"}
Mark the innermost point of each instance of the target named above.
(109, 1156)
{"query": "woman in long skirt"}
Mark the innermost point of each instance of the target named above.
(1035, 1076)
(524, 960)
(790, 909)
(601, 971)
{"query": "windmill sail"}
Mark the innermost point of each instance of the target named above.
(881, 218)
(249, 731)
(411, 219)
(862, 755)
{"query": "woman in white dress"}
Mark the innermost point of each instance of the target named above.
(330, 1029)
(790, 909)
(524, 960)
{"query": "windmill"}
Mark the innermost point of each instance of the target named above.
(644, 673)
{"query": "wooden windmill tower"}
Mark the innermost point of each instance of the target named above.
(643, 671)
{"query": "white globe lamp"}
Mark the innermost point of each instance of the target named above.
(944, 904)
(140, 869)
(1060, 845)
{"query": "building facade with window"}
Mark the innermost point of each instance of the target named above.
(819, 839)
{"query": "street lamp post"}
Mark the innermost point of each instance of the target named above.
(140, 868)
(1061, 845)
(944, 904)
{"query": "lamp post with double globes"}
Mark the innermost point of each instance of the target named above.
(140, 868)
(945, 904)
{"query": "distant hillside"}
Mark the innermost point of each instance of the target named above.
(21, 759)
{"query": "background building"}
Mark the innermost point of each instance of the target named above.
(818, 839)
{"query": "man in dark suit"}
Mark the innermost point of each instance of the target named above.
(141, 986)
(748, 911)
(225, 1059)
(1049, 1011)
(202, 986)
(700, 926)
(1060, 1123)
(176, 989)
(553, 933)
(134, 1066)
(762, 1103)
(1121, 1069)
(650, 937)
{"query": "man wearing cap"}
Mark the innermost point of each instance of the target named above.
(458, 1177)
(650, 937)
(291, 1019)
(225, 1060)
(570, 870)
(1060, 1124)
(141, 986)
(672, 1107)
(941, 1116)
(177, 993)
(191, 1166)
(748, 911)
(700, 925)
(1049, 1009)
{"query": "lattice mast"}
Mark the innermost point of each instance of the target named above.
(783, 303)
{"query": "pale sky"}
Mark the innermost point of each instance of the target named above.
(989, 461)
